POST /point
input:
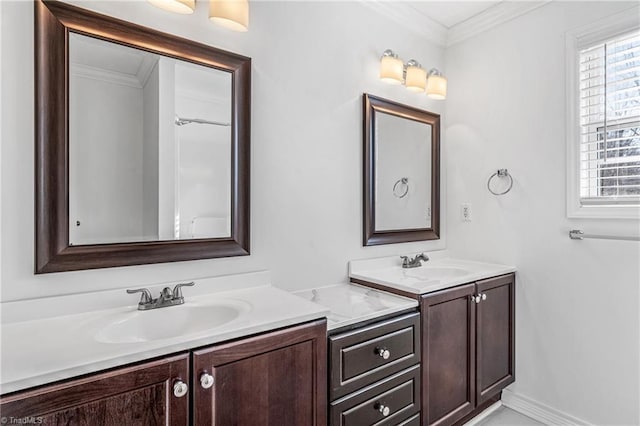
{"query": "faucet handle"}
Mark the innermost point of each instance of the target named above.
(422, 256)
(405, 261)
(145, 297)
(177, 290)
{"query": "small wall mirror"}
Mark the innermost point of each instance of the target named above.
(142, 144)
(401, 173)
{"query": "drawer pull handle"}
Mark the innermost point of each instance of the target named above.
(383, 409)
(383, 353)
(180, 388)
(206, 380)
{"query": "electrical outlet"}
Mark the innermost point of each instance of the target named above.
(465, 212)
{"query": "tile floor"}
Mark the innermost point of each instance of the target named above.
(504, 416)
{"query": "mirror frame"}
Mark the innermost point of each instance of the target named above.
(373, 105)
(53, 22)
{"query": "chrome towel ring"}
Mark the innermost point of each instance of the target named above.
(402, 191)
(501, 173)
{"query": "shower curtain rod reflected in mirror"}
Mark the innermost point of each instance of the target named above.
(182, 121)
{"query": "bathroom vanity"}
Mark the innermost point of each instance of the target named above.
(269, 348)
(222, 379)
(467, 326)
(374, 355)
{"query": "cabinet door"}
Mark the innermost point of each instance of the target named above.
(448, 348)
(495, 336)
(277, 379)
(136, 395)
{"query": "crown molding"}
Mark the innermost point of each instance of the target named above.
(418, 23)
(489, 18)
(411, 19)
(100, 74)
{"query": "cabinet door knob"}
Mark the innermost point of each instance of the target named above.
(180, 388)
(484, 296)
(383, 353)
(206, 380)
(383, 409)
(475, 298)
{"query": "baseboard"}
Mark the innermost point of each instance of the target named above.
(477, 419)
(538, 411)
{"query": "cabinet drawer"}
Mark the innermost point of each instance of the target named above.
(356, 359)
(413, 421)
(400, 393)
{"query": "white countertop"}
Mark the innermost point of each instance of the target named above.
(46, 340)
(351, 303)
(439, 272)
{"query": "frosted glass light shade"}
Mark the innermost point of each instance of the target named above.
(416, 79)
(184, 7)
(436, 86)
(391, 69)
(231, 14)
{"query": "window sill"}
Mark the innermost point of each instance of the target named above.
(604, 212)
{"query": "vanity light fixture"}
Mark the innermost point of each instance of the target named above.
(184, 7)
(412, 75)
(436, 85)
(231, 14)
(415, 77)
(391, 68)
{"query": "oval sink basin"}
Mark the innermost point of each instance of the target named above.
(169, 322)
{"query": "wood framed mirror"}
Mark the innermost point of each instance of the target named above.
(142, 144)
(401, 173)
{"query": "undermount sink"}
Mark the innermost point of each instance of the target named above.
(170, 322)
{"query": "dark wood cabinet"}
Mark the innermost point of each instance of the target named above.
(468, 348)
(374, 373)
(277, 379)
(136, 395)
(448, 345)
(495, 336)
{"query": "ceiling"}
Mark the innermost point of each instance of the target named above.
(446, 22)
(450, 13)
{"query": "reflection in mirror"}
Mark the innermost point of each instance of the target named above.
(149, 146)
(402, 173)
(142, 144)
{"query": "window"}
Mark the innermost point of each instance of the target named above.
(604, 142)
(610, 121)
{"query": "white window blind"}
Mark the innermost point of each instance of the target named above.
(609, 93)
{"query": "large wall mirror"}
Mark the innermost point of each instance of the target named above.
(401, 173)
(142, 144)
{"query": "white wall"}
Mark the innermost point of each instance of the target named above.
(150, 153)
(105, 153)
(311, 64)
(577, 301)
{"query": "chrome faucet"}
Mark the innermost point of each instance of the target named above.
(415, 262)
(167, 297)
